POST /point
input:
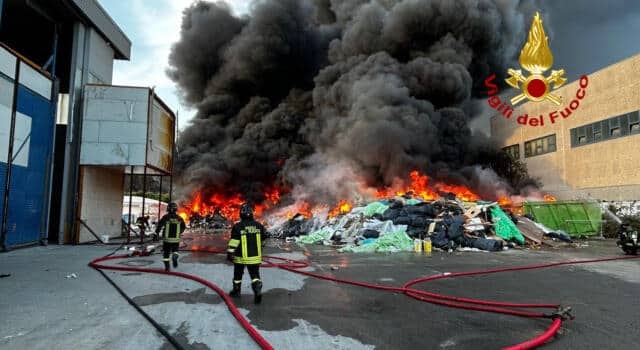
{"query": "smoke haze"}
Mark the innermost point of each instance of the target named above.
(312, 94)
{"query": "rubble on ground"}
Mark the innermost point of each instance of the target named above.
(214, 221)
(392, 225)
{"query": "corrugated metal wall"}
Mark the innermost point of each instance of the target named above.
(30, 159)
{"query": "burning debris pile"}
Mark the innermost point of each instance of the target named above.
(449, 223)
(396, 224)
(310, 106)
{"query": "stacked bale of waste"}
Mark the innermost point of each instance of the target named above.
(390, 224)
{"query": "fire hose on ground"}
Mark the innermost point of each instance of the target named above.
(558, 315)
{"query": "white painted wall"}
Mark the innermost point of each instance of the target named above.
(114, 129)
(101, 201)
(100, 59)
(6, 105)
(7, 63)
(35, 81)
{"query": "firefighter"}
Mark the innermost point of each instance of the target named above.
(143, 224)
(172, 226)
(245, 249)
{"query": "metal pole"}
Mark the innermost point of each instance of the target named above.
(130, 205)
(159, 199)
(171, 188)
(173, 155)
(44, 238)
(55, 50)
(144, 195)
(7, 184)
(80, 67)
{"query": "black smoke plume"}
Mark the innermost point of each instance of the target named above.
(309, 94)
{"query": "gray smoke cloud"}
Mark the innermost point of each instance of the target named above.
(310, 94)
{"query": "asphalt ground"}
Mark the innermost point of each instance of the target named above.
(42, 309)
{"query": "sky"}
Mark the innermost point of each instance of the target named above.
(585, 36)
(153, 26)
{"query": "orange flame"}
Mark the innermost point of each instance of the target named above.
(504, 201)
(227, 205)
(343, 207)
(197, 203)
(416, 185)
(272, 195)
(549, 198)
(419, 187)
(303, 208)
(460, 191)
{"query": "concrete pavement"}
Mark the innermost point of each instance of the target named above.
(41, 309)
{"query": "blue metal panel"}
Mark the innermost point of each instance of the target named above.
(3, 174)
(26, 218)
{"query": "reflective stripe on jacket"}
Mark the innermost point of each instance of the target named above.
(172, 227)
(246, 242)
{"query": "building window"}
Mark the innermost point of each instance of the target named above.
(597, 132)
(540, 146)
(513, 151)
(614, 127)
(615, 132)
(634, 123)
(620, 126)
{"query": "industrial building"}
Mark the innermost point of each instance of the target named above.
(594, 152)
(67, 136)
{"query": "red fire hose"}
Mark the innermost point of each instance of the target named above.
(232, 307)
(439, 299)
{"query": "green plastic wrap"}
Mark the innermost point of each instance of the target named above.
(375, 208)
(388, 243)
(315, 237)
(504, 227)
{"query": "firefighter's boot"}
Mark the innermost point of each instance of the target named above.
(235, 292)
(257, 291)
(175, 260)
(166, 265)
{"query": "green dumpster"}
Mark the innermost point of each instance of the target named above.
(574, 217)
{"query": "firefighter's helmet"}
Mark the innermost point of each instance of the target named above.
(246, 211)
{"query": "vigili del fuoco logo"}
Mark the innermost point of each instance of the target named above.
(536, 58)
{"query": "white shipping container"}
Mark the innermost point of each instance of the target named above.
(126, 126)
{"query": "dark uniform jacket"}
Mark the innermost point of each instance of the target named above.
(172, 226)
(246, 242)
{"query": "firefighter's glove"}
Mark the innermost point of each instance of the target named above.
(230, 257)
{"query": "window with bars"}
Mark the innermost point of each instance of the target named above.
(619, 126)
(513, 151)
(634, 123)
(542, 145)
